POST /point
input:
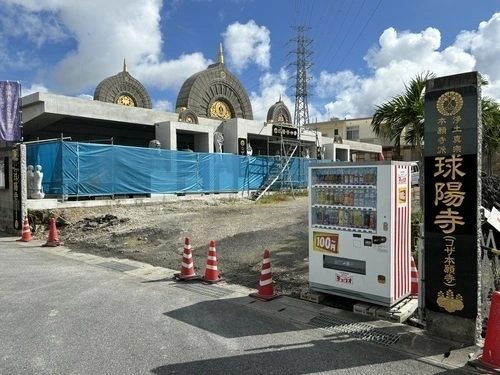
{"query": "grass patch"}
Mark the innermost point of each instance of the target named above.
(282, 197)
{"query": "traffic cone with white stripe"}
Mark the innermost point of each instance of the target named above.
(266, 289)
(53, 240)
(487, 360)
(26, 234)
(491, 348)
(211, 269)
(187, 270)
(414, 277)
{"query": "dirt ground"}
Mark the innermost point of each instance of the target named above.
(242, 230)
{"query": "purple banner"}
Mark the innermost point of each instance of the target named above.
(10, 114)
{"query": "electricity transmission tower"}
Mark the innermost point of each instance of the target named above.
(303, 64)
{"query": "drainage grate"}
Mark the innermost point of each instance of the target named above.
(209, 290)
(117, 266)
(357, 330)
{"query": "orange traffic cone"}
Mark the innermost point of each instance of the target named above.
(26, 234)
(266, 290)
(211, 269)
(414, 278)
(187, 269)
(491, 348)
(489, 361)
(53, 237)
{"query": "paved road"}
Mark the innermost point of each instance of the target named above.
(68, 313)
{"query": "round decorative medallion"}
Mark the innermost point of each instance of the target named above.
(450, 103)
(223, 75)
(125, 100)
(220, 109)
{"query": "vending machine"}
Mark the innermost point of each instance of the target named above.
(359, 230)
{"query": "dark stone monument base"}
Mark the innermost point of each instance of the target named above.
(460, 330)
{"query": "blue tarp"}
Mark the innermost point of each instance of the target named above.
(87, 169)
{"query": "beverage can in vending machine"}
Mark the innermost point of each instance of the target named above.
(345, 175)
(357, 219)
(331, 196)
(372, 221)
(341, 218)
(318, 196)
(319, 215)
(334, 217)
(366, 219)
(347, 218)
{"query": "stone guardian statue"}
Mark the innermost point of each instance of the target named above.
(37, 183)
(30, 177)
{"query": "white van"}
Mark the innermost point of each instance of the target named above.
(415, 173)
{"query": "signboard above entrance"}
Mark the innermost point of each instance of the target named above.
(285, 131)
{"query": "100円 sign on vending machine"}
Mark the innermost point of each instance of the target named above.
(359, 230)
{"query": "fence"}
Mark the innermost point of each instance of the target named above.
(72, 169)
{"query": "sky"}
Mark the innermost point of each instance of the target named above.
(361, 53)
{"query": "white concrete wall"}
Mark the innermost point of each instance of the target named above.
(167, 137)
(39, 103)
(230, 132)
(341, 152)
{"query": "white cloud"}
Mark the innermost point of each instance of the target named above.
(163, 105)
(18, 23)
(396, 46)
(246, 44)
(484, 45)
(334, 84)
(398, 58)
(172, 73)
(36, 87)
(271, 87)
(103, 34)
(100, 34)
(86, 97)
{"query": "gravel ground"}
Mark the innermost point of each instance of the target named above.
(242, 230)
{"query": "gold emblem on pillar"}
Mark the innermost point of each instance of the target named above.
(450, 103)
(449, 301)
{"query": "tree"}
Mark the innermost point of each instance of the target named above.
(402, 118)
(491, 130)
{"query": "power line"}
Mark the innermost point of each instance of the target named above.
(359, 35)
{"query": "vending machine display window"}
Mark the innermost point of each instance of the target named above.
(345, 199)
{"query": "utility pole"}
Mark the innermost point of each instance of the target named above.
(303, 64)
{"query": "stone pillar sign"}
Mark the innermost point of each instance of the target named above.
(452, 175)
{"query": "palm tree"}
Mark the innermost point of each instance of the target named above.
(402, 119)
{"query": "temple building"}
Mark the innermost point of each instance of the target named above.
(213, 114)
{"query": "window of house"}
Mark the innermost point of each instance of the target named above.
(353, 133)
(335, 132)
